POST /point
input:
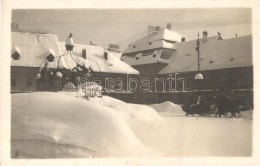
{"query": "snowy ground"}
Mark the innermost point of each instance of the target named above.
(56, 125)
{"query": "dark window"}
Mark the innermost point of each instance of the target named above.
(169, 41)
(13, 79)
(16, 56)
(167, 53)
(130, 55)
(29, 81)
(148, 52)
(50, 58)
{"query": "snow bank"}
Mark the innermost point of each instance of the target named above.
(63, 120)
(247, 114)
(130, 112)
(127, 110)
(137, 112)
(169, 108)
(108, 101)
(54, 125)
(47, 149)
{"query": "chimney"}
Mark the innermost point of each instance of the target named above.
(84, 53)
(69, 43)
(205, 35)
(169, 26)
(183, 39)
(106, 55)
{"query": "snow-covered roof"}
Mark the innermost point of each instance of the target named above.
(95, 56)
(34, 48)
(214, 54)
(160, 39)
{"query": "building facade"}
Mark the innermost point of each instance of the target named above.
(39, 62)
(170, 63)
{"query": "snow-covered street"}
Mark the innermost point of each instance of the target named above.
(199, 136)
(56, 125)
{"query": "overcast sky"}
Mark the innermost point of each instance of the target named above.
(123, 26)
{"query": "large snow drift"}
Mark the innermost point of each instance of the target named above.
(69, 125)
(55, 125)
(130, 112)
(169, 108)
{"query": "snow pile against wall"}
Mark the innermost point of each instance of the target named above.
(63, 120)
(247, 114)
(169, 108)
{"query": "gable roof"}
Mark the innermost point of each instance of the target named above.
(214, 54)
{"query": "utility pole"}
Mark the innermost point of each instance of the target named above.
(198, 76)
(198, 46)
